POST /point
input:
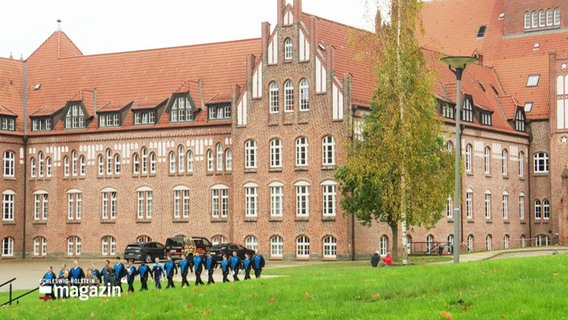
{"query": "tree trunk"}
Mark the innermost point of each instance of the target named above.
(394, 250)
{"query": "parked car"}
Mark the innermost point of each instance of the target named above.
(175, 246)
(227, 248)
(144, 251)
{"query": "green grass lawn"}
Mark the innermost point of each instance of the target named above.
(528, 288)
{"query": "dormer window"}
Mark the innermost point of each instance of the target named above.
(75, 117)
(467, 114)
(41, 124)
(219, 111)
(486, 118)
(520, 121)
(532, 80)
(7, 123)
(447, 111)
(481, 31)
(181, 109)
(109, 120)
(528, 106)
(288, 49)
(145, 117)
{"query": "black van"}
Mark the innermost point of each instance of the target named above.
(175, 246)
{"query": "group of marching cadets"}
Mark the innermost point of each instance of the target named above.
(113, 276)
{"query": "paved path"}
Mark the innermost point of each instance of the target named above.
(28, 272)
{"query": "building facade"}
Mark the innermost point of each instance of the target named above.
(238, 141)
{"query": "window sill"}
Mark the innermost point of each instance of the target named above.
(450, 220)
(39, 222)
(302, 168)
(469, 173)
(326, 167)
(275, 259)
(8, 223)
(506, 177)
(275, 169)
(506, 222)
(108, 221)
(73, 221)
(250, 219)
(487, 175)
(488, 221)
(138, 220)
(218, 219)
(470, 221)
(180, 220)
(328, 218)
(302, 219)
(250, 170)
(275, 219)
(540, 174)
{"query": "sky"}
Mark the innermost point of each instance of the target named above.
(105, 26)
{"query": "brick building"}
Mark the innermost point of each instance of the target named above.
(239, 141)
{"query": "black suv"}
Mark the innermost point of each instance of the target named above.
(218, 250)
(144, 251)
(175, 246)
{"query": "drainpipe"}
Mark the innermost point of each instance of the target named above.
(25, 146)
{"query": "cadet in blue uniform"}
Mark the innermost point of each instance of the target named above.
(258, 264)
(183, 265)
(225, 268)
(210, 265)
(48, 280)
(130, 274)
(170, 267)
(197, 268)
(76, 274)
(157, 272)
(143, 271)
(96, 272)
(235, 264)
(247, 266)
(119, 272)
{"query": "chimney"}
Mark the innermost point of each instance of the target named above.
(297, 11)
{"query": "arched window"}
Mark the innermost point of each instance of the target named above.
(189, 161)
(430, 244)
(449, 208)
(152, 162)
(108, 246)
(527, 20)
(302, 247)
(135, 163)
(40, 246)
(288, 96)
(82, 165)
(505, 205)
(144, 159)
(109, 167)
(8, 198)
(470, 242)
(521, 164)
(41, 205)
(548, 17)
(273, 94)
(537, 209)
(41, 164)
(172, 157)
(504, 162)
(522, 206)
(487, 205)
(468, 158)
(304, 95)
(383, 245)
(534, 19)
(487, 160)
(73, 246)
(523, 241)
(74, 205)
(469, 203)
(250, 154)
(251, 242)
(219, 155)
(329, 247)
(8, 247)
(488, 242)
(251, 200)
(302, 199)
(116, 164)
(181, 159)
(276, 153)
(100, 165)
(506, 240)
(219, 239)
(276, 247)
(276, 199)
(556, 16)
(181, 202)
(301, 152)
(328, 151)
(108, 204)
(541, 18)
(144, 238)
(210, 160)
(450, 244)
(228, 160)
(545, 209)
(288, 49)
(33, 167)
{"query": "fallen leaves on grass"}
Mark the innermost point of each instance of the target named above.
(307, 294)
(446, 315)
(271, 300)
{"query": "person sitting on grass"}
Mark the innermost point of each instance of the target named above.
(387, 259)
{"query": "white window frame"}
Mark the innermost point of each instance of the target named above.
(329, 201)
(302, 199)
(304, 95)
(468, 158)
(251, 200)
(8, 202)
(9, 164)
(8, 247)
(487, 160)
(288, 96)
(276, 247)
(74, 205)
(302, 152)
(505, 204)
(276, 153)
(302, 247)
(274, 98)
(504, 162)
(144, 203)
(250, 154)
(328, 150)
(181, 202)
(41, 205)
(329, 247)
(288, 49)
(522, 206)
(540, 162)
(487, 205)
(469, 204)
(276, 199)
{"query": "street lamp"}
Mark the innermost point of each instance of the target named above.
(457, 64)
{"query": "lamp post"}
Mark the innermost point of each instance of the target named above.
(457, 65)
